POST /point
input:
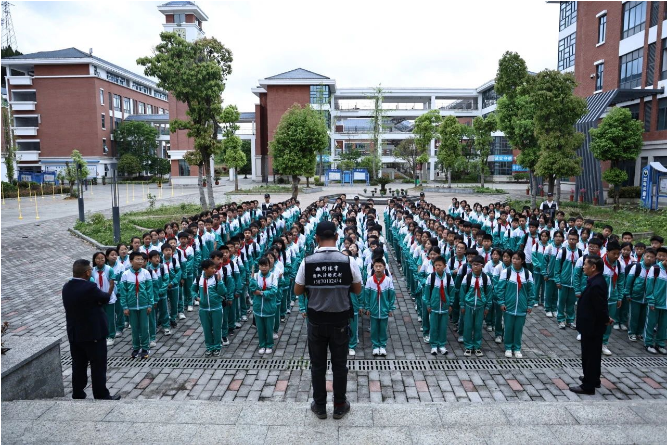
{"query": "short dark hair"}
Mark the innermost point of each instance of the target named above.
(596, 261)
(80, 267)
(207, 263)
(134, 254)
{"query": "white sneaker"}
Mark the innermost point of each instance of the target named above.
(623, 327)
(434, 351)
(382, 351)
(497, 339)
(443, 350)
(119, 334)
(615, 327)
(167, 331)
(261, 351)
(288, 311)
(478, 353)
(579, 337)
(652, 350)
(606, 351)
(460, 339)
(244, 318)
(548, 314)
(662, 350)
(490, 328)
(182, 316)
(351, 352)
(226, 341)
(275, 336)
(110, 342)
(238, 325)
(535, 305)
(426, 339)
(518, 354)
(269, 351)
(190, 308)
(509, 354)
(292, 303)
(467, 352)
(419, 318)
(376, 351)
(572, 325)
(562, 325)
(152, 344)
(633, 338)
(197, 303)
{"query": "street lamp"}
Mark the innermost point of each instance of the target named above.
(80, 194)
(115, 210)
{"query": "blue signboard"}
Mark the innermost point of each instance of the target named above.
(518, 168)
(503, 158)
(652, 185)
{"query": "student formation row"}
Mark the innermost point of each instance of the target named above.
(231, 262)
(493, 265)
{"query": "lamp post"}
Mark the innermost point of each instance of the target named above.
(115, 210)
(80, 194)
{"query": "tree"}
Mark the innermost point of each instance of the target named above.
(618, 138)
(8, 147)
(300, 134)
(450, 149)
(377, 119)
(515, 113)
(129, 165)
(246, 149)
(556, 109)
(72, 173)
(139, 140)
(425, 130)
(194, 158)
(349, 160)
(234, 157)
(160, 167)
(407, 151)
(482, 133)
(195, 74)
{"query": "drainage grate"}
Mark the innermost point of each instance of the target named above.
(364, 365)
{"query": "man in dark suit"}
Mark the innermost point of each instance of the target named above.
(592, 317)
(87, 330)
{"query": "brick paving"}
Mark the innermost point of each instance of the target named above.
(42, 253)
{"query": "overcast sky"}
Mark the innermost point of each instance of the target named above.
(359, 44)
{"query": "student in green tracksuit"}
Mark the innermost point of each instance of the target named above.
(187, 269)
(635, 292)
(539, 266)
(264, 288)
(439, 291)
(104, 277)
(211, 291)
(551, 291)
(612, 276)
(476, 296)
(379, 298)
(656, 316)
(173, 271)
(159, 297)
(496, 319)
(136, 294)
(515, 293)
(564, 269)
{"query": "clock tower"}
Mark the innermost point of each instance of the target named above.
(184, 18)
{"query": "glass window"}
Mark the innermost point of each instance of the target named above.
(635, 111)
(319, 94)
(117, 102)
(500, 146)
(141, 88)
(500, 168)
(104, 126)
(149, 109)
(661, 115)
(648, 115)
(141, 108)
(643, 162)
(179, 18)
(599, 77)
(601, 28)
(630, 69)
(568, 14)
(104, 145)
(651, 62)
(663, 60)
(633, 18)
(184, 169)
(566, 52)
(661, 160)
(110, 99)
(126, 105)
(101, 96)
(654, 14)
(116, 79)
(489, 98)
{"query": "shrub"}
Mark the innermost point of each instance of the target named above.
(319, 183)
(281, 180)
(626, 192)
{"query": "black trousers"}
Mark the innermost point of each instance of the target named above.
(591, 361)
(320, 338)
(94, 352)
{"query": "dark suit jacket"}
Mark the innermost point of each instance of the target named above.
(84, 311)
(592, 314)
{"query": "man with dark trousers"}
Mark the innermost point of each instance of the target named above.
(328, 277)
(593, 318)
(87, 331)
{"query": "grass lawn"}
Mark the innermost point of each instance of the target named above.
(266, 189)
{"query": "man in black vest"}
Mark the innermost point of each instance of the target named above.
(328, 278)
(266, 206)
(592, 319)
(87, 330)
(549, 207)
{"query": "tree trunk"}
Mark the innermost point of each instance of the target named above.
(558, 194)
(202, 197)
(532, 189)
(482, 178)
(236, 180)
(295, 186)
(550, 184)
(307, 182)
(449, 177)
(616, 195)
(209, 186)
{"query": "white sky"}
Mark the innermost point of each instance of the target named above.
(359, 44)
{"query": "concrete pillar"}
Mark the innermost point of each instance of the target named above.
(252, 158)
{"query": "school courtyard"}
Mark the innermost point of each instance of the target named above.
(179, 396)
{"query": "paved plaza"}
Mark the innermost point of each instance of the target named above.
(36, 262)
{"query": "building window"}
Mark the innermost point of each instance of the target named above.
(149, 109)
(643, 162)
(179, 18)
(651, 62)
(141, 109)
(160, 95)
(117, 122)
(105, 150)
(126, 105)
(663, 60)
(500, 146)
(489, 98)
(117, 102)
(184, 169)
(599, 77)
(101, 96)
(116, 79)
(568, 14)
(633, 18)
(661, 160)
(630, 69)
(648, 115)
(661, 115)
(319, 94)
(601, 28)
(104, 125)
(110, 101)
(635, 111)
(141, 88)
(654, 14)
(566, 52)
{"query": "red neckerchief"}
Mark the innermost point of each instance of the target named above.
(137, 283)
(477, 286)
(99, 276)
(442, 290)
(614, 271)
(206, 286)
(375, 280)
(519, 282)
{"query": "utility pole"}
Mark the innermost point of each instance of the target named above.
(8, 34)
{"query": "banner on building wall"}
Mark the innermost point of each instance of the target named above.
(518, 168)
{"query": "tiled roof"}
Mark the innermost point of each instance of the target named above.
(298, 73)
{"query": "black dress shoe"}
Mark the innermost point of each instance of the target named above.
(113, 397)
(340, 410)
(582, 378)
(320, 412)
(581, 391)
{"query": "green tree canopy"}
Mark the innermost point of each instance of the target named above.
(129, 165)
(618, 138)
(300, 134)
(139, 140)
(425, 130)
(482, 133)
(349, 160)
(450, 150)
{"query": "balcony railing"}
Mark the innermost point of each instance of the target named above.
(23, 105)
(25, 131)
(20, 80)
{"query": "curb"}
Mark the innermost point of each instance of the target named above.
(89, 240)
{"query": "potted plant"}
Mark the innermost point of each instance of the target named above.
(540, 189)
(572, 194)
(364, 191)
(582, 194)
(216, 180)
(528, 190)
(383, 181)
(595, 198)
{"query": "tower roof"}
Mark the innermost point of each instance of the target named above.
(185, 7)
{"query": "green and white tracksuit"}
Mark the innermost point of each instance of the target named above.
(539, 270)
(103, 278)
(564, 275)
(264, 306)
(476, 294)
(515, 291)
(212, 292)
(119, 268)
(380, 299)
(495, 315)
(172, 270)
(187, 258)
(438, 298)
(613, 278)
(136, 293)
(551, 291)
(635, 291)
(226, 273)
(154, 317)
(656, 298)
